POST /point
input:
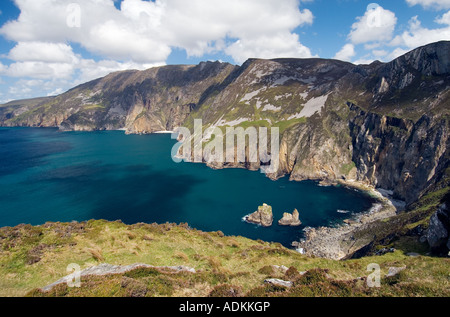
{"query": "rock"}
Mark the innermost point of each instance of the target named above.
(290, 219)
(393, 271)
(108, 269)
(279, 283)
(350, 222)
(438, 230)
(263, 216)
(385, 251)
(283, 269)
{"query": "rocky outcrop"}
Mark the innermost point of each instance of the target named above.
(438, 234)
(108, 269)
(340, 242)
(279, 283)
(263, 216)
(401, 155)
(393, 271)
(156, 99)
(290, 219)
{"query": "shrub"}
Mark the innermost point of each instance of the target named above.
(225, 290)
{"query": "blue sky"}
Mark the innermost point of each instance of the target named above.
(49, 46)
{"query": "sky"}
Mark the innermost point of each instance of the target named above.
(50, 46)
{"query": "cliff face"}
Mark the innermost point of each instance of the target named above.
(398, 154)
(384, 124)
(137, 101)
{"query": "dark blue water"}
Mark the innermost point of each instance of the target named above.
(47, 175)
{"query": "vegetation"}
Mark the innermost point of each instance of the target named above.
(33, 257)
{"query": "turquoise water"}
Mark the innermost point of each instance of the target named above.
(47, 175)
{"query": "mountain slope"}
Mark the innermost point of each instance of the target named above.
(138, 101)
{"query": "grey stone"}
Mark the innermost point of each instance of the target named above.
(279, 283)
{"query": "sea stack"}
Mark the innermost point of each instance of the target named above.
(290, 219)
(263, 216)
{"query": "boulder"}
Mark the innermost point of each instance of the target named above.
(290, 219)
(279, 283)
(438, 236)
(263, 216)
(393, 271)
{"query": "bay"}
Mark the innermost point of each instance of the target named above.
(48, 175)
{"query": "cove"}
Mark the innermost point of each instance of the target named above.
(48, 175)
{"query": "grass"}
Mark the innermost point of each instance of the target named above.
(284, 125)
(226, 266)
(93, 107)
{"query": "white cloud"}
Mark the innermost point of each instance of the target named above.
(417, 35)
(346, 53)
(280, 45)
(397, 53)
(42, 52)
(195, 25)
(55, 92)
(40, 70)
(364, 61)
(380, 53)
(146, 31)
(435, 4)
(90, 69)
(142, 34)
(444, 19)
(377, 25)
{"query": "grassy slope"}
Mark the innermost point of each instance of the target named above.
(32, 257)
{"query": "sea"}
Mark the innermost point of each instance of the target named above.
(51, 176)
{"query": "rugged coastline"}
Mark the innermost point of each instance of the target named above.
(383, 125)
(338, 243)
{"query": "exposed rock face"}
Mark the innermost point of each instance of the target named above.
(157, 99)
(393, 271)
(399, 154)
(279, 283)
(290, 219)
(438, 234)
(108, 269)
(263, 216)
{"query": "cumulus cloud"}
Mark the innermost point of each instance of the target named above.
(435, 4)
(102, 29)
(146, 31)
(281, 45)
(444, 19)
(196, 25)
(43, 52)
(375, 29)
(377, 25)
(346, 53)
(44, 70)
(417, 35)
(142, 34)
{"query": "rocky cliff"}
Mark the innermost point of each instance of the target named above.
(383, 124)
(156, 99)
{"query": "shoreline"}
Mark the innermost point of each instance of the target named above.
(338, 243)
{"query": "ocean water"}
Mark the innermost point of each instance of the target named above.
(48, 175)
